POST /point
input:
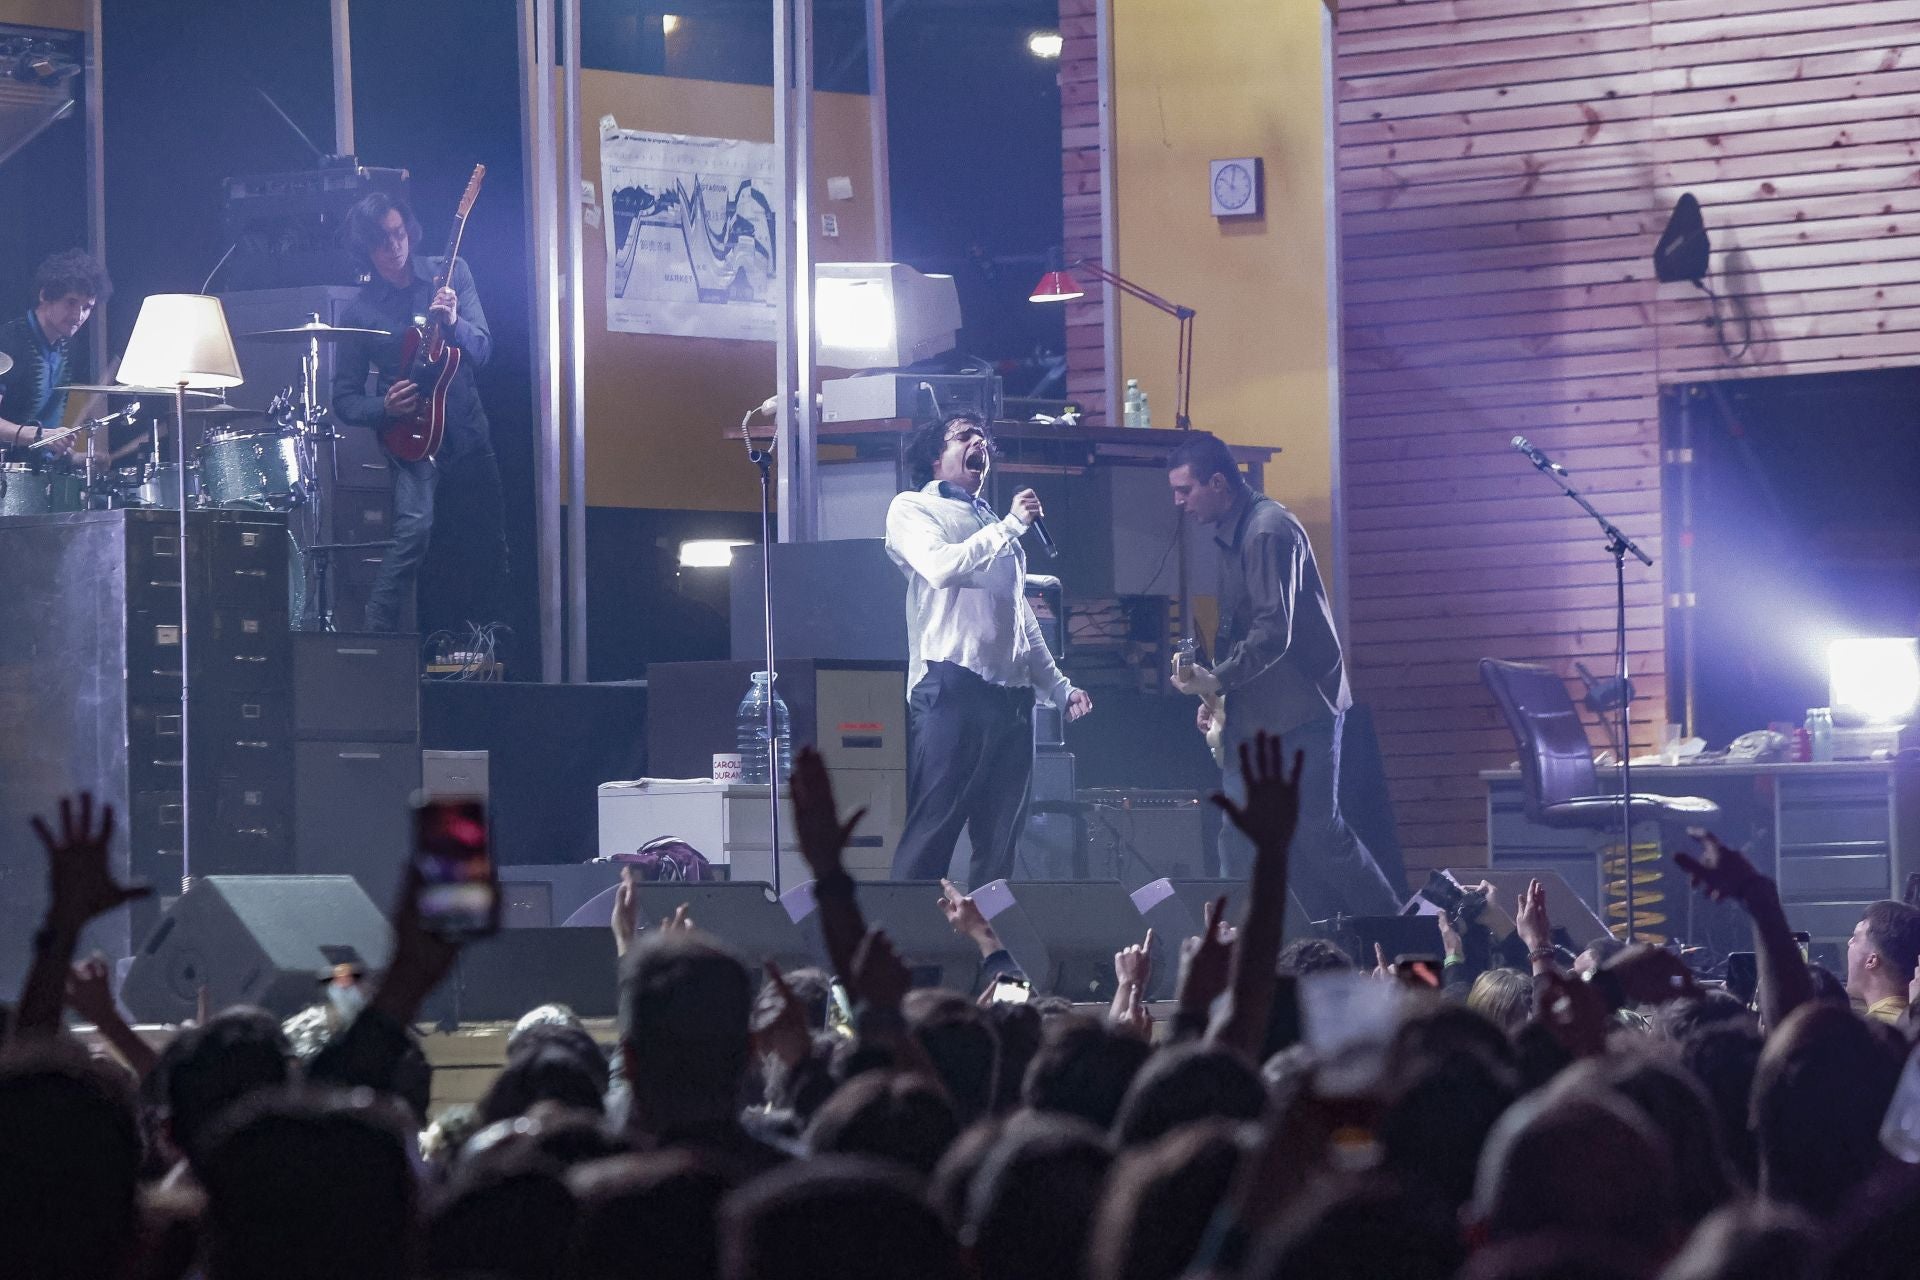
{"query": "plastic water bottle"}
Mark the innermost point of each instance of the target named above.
(1131, 414)
(1146, 414)
(750, 731)
(1820, 730)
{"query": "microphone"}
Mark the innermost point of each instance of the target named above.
(1052, 548)
(1537, 458)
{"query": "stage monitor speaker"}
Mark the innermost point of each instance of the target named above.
(909, 911)
(744, 914)
(497, 979)
(1063, 933)
(1176, 910)
(1136, 834)
(260, 940)
(1565, 908)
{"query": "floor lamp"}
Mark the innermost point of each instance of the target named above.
(1060, 286)
(180, 340)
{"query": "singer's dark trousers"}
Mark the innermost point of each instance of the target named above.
(969, 756)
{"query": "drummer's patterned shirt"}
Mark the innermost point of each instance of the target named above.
(27, 392)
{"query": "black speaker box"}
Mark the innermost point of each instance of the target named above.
(1063, 934)
(499, 978)
(909, 911)
(261, 940)
(742, 913)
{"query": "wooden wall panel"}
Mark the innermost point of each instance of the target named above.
(1083, 187)
(1506, 167)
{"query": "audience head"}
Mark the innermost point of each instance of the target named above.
(958, 1039)
(1722, 1057)
(1159, 1198)
(1683, 1115)
(1438, 1117)
(1181, 1085)
(811, 986)
(1017, 1029)
(1033, 1200)
(1362, 1232)
(544, 1071)
(663, 1204)
(1819, 1091)
(1597, 953)
(1753, 1241)
(1883, 952)
(684, 1006)
(890, 1116)
(308, 1187)
(69, 1164)
(1576, 1163)
(1312, 955)
(501, 1216)
(1504, 997)
(1083, 1069)
(835, 1218)
(209, 1068)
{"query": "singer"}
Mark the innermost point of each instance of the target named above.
(976, 656)
(1277, 661)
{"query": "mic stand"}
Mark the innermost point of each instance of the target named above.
(1618, 546)
(763, 459)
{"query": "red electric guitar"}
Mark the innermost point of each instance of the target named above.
(427, 360)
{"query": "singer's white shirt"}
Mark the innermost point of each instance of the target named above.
(966, 592)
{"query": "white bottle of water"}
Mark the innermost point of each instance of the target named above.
(1146, 414)
(1131, 415)
(750, 731)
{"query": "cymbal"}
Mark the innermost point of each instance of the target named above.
(121, 389)
(312, 329)
(225, 411)
(6, 362)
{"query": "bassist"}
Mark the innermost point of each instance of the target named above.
(455, 492)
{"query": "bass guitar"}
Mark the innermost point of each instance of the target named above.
(428, 360)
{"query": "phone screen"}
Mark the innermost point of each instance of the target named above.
(1743, 975)
(1008, 990)
(459, 892)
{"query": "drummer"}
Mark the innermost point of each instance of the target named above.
(67, 287)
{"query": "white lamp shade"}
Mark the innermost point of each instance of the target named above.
(181, 337)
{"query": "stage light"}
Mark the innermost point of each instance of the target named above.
(882, 315)
(709, 553)
(1876, 681)
(1045, 44)
(669, 23)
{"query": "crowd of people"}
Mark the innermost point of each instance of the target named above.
(1614, 1118)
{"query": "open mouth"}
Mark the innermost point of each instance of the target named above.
(977, 458)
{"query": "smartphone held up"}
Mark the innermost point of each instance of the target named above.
(459, 887)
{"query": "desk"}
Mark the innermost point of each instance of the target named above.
(1835, 836)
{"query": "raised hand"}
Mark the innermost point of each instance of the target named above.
(90, 991)
(625, 911)
(1133, 965)
(965, 918)
(780, 1025)
(1130, 1012)
(681, 919)
(81, 885)
(823, 837)
(1720, 871)
(880, 977)
(1272, 809)
(1530, 917)
(1574, 1012)
(1206, 962)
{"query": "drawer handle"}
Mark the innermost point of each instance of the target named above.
(249, 657)
(253, 831)
(166, 764)
(360, 755)
(357, 653)
(249, 573)
(253, 746)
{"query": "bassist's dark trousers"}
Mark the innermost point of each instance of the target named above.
(468, 541)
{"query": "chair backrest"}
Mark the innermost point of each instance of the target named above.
(1556, 760)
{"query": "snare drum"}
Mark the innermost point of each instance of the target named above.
(24, 491)
(252, 469)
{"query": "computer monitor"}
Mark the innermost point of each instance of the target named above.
(882, 315)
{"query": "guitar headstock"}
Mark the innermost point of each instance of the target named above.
(471, 194)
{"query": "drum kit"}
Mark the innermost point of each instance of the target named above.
(246, 460)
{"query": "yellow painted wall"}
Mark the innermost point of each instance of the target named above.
(1199, 82)
(661, 410)
(70, 14)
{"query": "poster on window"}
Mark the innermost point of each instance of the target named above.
(690, 234)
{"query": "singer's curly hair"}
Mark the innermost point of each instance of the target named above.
(71, 271)
(924, 445)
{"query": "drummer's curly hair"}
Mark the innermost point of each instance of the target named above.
(364, 232)
(71, 271)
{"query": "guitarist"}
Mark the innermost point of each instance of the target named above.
(457, 488)
(1278, 667)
